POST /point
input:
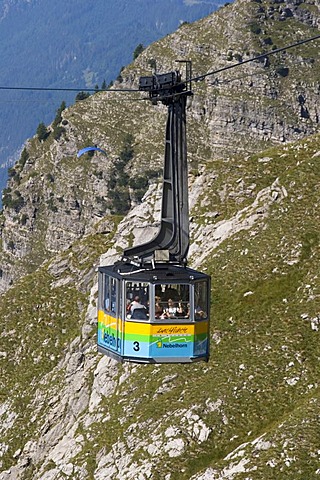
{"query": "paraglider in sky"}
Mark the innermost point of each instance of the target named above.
(90, 149)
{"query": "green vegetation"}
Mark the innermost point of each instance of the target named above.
(152, 64)
(42, 132)
(255, 28)
(24, 157)
(118, 182)
(40, 320)
(262, 375)
(253, 409)
(137, 51)
(82, 96)
(58, 117)
(14, 174)
(40, 332)
(13, 200)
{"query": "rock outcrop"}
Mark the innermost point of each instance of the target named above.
(68, 412)
(54, 198)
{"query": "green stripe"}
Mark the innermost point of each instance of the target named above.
(101, 326)
(153, 338)
(201, 336)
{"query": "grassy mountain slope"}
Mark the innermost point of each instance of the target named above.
(243, 110)
(74, 44)
(253, 410)
(259, 390)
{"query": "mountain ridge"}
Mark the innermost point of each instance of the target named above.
(71, 45)
(253, 409)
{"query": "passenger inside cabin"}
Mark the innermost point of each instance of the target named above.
(172, 311)
(128, 307)
(158, 310)
(107, 304)
(138, 310)
(199, 313)
(183, 309)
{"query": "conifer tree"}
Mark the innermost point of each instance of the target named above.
(42, 131)
(58, 117)
(139, 49)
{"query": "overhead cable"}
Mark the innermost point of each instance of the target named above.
(258, 57)
(52, 89)
(195, 79)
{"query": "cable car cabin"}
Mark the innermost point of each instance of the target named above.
(159, 315)
(152, 308)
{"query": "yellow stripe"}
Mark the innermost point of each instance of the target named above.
(108, 321)
(173, 329)
(155, 329)
(201, 327)
(164, 328)
(138, 328)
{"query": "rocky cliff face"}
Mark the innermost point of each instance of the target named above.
(72, 413)
(67, 412)
(99, 37)
(56, 198)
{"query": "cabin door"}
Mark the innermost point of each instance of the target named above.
(111, 325)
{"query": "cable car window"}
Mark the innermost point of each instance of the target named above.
(201, 300)
(110, 294)
(172, 301)
(137, 300)
(113, 294)
(106, 293)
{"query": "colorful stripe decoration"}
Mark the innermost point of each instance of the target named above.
(152, 340)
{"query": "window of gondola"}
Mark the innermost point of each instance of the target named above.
(110, 294)
(172, 301)
(137, 300)
(113, 294)
(201, 300)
